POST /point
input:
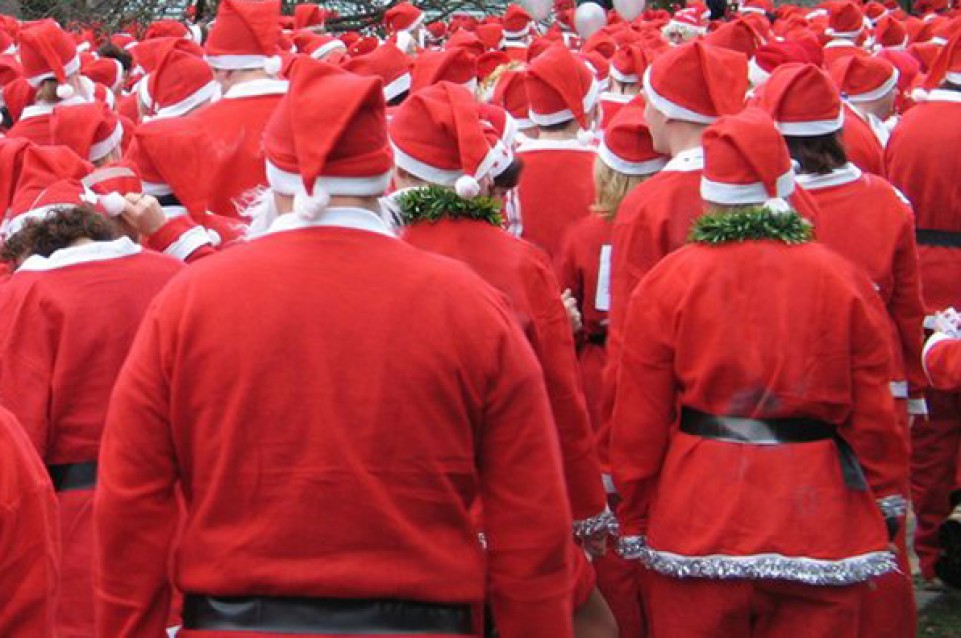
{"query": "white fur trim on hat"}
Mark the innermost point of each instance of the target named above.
(953, 77)
(647, 167)
(101, 149)
(566, 115)
(517, 35)
(624, 77)
(204, 94)
(756, 74)
(329, 47)
(813, 127)
(113, 204)
(236, 62)
(156, 189)
(287, 183)
(670, 109)
(196, 34)
(756, 193)
(845, 35)
(889, 85)
(397, 87)
(69, 69)
(441, 176)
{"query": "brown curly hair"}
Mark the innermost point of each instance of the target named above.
(59, 229)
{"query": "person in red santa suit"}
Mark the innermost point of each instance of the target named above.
(754, 438)
(863, 218)
(243, 51)
(29, 536)
(51, 65)
(870, 88)
(329, 475)
(923, 163)
(625, 158)
(557, 187)
(627, 69)
(68, 315)
(518, 28)
(440, 142)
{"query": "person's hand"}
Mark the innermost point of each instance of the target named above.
(596, 545)
(570, 304)
(143, 213)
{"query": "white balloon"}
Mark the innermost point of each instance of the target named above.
(629, 9)
(539, 9)
(589, 19)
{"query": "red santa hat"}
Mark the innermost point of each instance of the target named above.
(319, 46)
(737, 35)
(41, 188)
(500, 130)
(491, 36)
(439, 137)
(874, 11)
(123, 41)
(517, 22)
(947, 66)
(762, 7)
(452, 65)
(327, 137)
(309, 15)
(803, 101)
(468, 41)
(864, 79)
(7, 44)
(167, 29)
(163, 152)
(12, 152)
(560, 88)
(116, 178)
(180, 82)
(403, 16)
(627, 146)
(746, 161)
(388, 63)
(364, 45)
(91, 130)
(697, 83)
(846, 21)
(891, 33)
(436, 32)
(488, 63)
(245, 36)
(16, 96)
(628, 64)
(106, 71)
(602, 43)
(907, 65)
(47, 53)
(10, 70)
(510, 92)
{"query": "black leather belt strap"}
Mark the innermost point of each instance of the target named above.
(168, 200)
(597, 338)
(73, 476)
(785, 431)
(946, 238)
(325, 615)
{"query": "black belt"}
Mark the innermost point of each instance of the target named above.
(169, 200)
(325, 615)
(73, 476)
(734, 429)
(597, 338)
(945, 238)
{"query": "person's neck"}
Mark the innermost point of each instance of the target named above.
(568, 133)
(685, 137)
(242, 77)
(371, 204)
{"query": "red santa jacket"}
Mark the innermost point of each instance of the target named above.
(332, 402)
(866, 220)
(942, 362)
(29, 537)
(756, 329)
(34, 124)
(923, 162)
(555, 190)
(861, 144)
(235, 125)
(584, 267)
(523, 274)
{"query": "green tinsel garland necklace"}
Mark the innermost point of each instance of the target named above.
(751, 223)
(433, 203)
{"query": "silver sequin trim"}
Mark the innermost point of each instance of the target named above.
(811, 571)
(893, 506)
(631, 547)
(605, 521)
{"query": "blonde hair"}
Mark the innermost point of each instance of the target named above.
(610, 188)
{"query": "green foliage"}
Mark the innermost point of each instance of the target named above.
(433, 203)
(751, 223)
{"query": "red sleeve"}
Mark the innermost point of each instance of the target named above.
(182, 238)
(565, 266)
(29, 538)
(135, 511)
(644, 403)
(526, 518)
(942, 362)
(906, 307)
(554, 344)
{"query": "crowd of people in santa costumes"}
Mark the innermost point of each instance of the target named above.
(560, 322)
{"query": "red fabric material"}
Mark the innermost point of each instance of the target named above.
(943, 365)
(751, 609)
(422, 416)
(173, 230)
(882, 243)
(822, 361)
(922, 161)
(584, 578)
(556, 189)
(36, 129)
(186, 633)
(29, 537)
(236, 130)
(861, 144)
(618, 581)
(525, 277)
(75, 604)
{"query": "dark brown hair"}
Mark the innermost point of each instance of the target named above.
(57, 230)
(511, 175)
(111, 50)
(818, 154)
